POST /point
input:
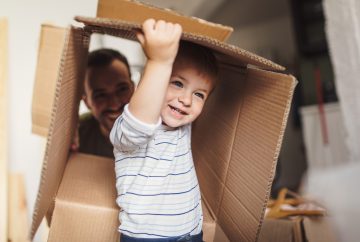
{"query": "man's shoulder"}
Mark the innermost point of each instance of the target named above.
(87, 120)
(86, 117)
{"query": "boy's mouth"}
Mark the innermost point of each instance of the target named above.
(178, 110)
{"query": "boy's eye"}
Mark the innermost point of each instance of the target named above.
(200, 95)
(177, 83)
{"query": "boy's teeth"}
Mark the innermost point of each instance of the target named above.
(178, 110)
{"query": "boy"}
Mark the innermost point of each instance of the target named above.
(158, 191)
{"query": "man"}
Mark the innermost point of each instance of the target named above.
(108, 87)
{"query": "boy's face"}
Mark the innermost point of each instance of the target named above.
(107, 90)
(186, 95)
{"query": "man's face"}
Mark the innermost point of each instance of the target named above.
(107, 90)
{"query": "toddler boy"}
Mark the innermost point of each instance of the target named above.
(158, 190)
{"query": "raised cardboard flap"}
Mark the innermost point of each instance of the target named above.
(64, 115)
(226, 53)
(133, 11)
(236, 142)
(51, 44)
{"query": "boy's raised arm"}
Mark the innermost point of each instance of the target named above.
(160, 41)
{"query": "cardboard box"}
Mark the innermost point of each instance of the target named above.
(297, 229)
(236, 142)
(139, 12)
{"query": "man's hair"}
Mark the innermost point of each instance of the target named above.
(103, 57)
(202, 57)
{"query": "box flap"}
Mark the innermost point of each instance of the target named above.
(64, 115)
(86, 196)
(318, 229)
(236, 161)
(51, 44)
(280, 230)
(227, 53)
(133, 11)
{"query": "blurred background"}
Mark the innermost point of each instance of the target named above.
(317, 41)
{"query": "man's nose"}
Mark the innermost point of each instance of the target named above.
(114, 101)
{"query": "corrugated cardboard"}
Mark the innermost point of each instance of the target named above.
(136, 12)
(50, 49)
(298, 229)
(236, 143)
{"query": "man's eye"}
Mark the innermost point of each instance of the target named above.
(99, 96)
(122, 89)
(200, 95)
(177, 83)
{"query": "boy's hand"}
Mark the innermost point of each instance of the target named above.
(160, 40)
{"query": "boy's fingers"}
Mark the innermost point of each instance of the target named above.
(148, 25)
(177, 30)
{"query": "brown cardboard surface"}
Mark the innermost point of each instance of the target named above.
(236, 141)
(234, 166)
(137, 12)
(297, 229)
(64, 116)
(52, 40)
(230, 54)
(319, 229)
(278, 230)
(86, 196)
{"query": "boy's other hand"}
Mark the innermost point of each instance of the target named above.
(160, 40)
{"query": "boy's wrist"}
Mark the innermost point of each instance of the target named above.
(160, 63)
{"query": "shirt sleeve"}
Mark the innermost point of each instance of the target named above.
(129, 133)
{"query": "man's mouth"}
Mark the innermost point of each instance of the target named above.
(113, 114)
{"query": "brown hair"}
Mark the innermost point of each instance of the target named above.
(103, 57)
(201, 57)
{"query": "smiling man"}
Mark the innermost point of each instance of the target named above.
(108, 87)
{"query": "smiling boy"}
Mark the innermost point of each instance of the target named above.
(158, 190)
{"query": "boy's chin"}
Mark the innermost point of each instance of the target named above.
(173, 123)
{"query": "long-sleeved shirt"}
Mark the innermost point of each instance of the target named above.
(158, 191)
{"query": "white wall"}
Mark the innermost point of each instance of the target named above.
(25, 17)
(273, 39)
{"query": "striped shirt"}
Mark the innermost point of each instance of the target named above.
(156, 182)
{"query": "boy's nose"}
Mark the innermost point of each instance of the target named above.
(185, 99)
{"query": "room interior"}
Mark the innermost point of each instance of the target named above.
(319, 156)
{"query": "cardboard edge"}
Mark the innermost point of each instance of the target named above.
(36, 220)
(102, 8)
(277, 150)
(35, 127)
(110, 26)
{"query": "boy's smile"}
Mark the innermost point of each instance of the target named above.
(186, 95)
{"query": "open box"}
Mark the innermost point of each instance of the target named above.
(236, 140)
